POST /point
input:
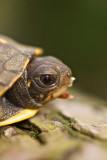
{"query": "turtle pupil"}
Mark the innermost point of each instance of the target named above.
(47, 79)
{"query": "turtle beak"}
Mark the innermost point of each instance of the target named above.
(71, 81)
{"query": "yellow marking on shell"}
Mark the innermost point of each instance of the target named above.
(24, 114)
(38, 51)
(14, 80)
(41, 95)
(29, 83)
(3, 41)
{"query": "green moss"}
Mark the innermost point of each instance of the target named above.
(36, 131)
(50, 125)
(46, 125)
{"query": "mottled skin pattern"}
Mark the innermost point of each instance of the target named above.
(28, 81)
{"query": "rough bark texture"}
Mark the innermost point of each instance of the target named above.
(72, 129)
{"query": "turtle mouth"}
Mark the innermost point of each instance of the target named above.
(60, 92)
(56, 94)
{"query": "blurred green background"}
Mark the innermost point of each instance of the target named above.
(73, 30)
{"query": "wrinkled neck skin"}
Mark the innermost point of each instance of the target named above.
(19, 94)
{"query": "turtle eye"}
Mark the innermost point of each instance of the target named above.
(48, 79)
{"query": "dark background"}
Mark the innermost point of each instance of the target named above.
(72, 30)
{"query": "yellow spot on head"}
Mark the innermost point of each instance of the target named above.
(3, 41)
(38, 51)
(41, 95)
(58, 67)
(29, 83)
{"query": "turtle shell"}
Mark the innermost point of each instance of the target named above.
(14, 58)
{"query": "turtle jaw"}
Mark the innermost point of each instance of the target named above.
(56, 94)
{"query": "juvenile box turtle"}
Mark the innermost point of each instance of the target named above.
(27, 81)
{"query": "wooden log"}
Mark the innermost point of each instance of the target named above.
(64, 129)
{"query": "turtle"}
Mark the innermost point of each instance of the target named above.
(28, 80)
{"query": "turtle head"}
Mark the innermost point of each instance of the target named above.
(48, 78)
(44, 79)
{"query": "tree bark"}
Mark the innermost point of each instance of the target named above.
(71, 129)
